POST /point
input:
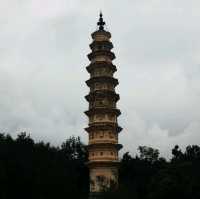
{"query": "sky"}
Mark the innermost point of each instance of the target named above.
(43, 58)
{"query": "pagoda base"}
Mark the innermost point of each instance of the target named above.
(95, 195)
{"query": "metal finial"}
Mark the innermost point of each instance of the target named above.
(101, 23)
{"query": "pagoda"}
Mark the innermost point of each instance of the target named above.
(103, 128)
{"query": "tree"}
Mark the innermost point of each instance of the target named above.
(192, 153)
(149, 154)
(177, 154)
(74, 149)
(30, 169)
(39, 170)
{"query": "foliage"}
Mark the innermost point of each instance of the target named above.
(149, 154)
(149, 176)
(37, 170)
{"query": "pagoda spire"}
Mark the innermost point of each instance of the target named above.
(101, 22)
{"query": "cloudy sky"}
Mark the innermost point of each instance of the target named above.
(43, 48)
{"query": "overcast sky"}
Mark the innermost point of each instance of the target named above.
(43, 48)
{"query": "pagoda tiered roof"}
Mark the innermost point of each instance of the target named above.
(103, 163)
(102, 79)
(96, 124)
(94, 54)
(104, 146)
(101, 94)
(102, 64)
(101, 32)
(105, 110)
(101, 43)
(106, 126)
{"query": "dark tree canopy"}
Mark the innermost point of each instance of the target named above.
(38, 170)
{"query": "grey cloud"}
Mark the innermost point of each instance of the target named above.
(43, 59)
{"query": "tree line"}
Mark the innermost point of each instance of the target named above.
(38, 170)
